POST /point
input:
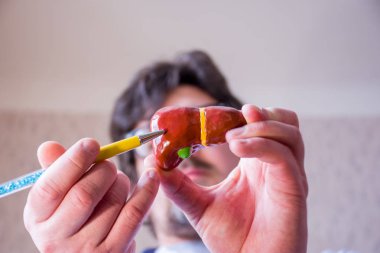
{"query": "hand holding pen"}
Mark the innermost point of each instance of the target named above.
(75, 208)
(107, 151)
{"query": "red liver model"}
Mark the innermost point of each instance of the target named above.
(187, 127)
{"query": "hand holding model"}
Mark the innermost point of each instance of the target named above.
(261, 205)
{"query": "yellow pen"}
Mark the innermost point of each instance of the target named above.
(107, 151)
(125, 145)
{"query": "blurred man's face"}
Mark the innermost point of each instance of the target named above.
(207, 167)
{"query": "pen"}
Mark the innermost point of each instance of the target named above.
(107, 151)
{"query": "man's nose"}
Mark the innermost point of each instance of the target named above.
(202, 153)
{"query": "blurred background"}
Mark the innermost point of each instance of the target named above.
(63, 63)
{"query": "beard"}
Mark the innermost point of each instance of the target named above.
(174, 224)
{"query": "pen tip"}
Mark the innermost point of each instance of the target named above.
(144, 138)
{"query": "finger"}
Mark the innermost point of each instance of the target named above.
(281, 115)
(149, 161)
(253, 114)
(190, 197)
(285, 182)
(80, 201)
(286, 134)
(52, 186)
(82, 198)
(48, 152)
(267, 151)
(133, 213)
(106, 212)
(286, 173)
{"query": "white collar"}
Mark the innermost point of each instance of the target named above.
(184, 247)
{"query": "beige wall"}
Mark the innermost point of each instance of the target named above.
(62, 64)
(317, 57)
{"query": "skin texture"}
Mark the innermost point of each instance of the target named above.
(183, 129)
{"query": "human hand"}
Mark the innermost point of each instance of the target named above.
(74, 209)
(261, 205)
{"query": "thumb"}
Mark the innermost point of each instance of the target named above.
(187, 195)
(48, 152)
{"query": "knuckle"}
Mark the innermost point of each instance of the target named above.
(150, 191)
(298, 134)
(294, 118)
(287, 116)
(91, 246)
(82, 197)
(299, 139)
(110, 167)
(48, 191)
(105, 168)
(179, 187)
(106, 247)
(135, 214)
(48, 247)
(260, 127)
(115, 197)
(76, 162)
(295, 134)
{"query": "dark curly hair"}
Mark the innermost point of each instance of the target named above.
(149, 88)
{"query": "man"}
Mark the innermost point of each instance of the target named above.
(248, 195)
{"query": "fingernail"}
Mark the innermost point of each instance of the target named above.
(148, 176)
(152, 174)
(90, 146)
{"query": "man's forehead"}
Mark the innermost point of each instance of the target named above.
(188, 95)
(192, 102)
(146, 119)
